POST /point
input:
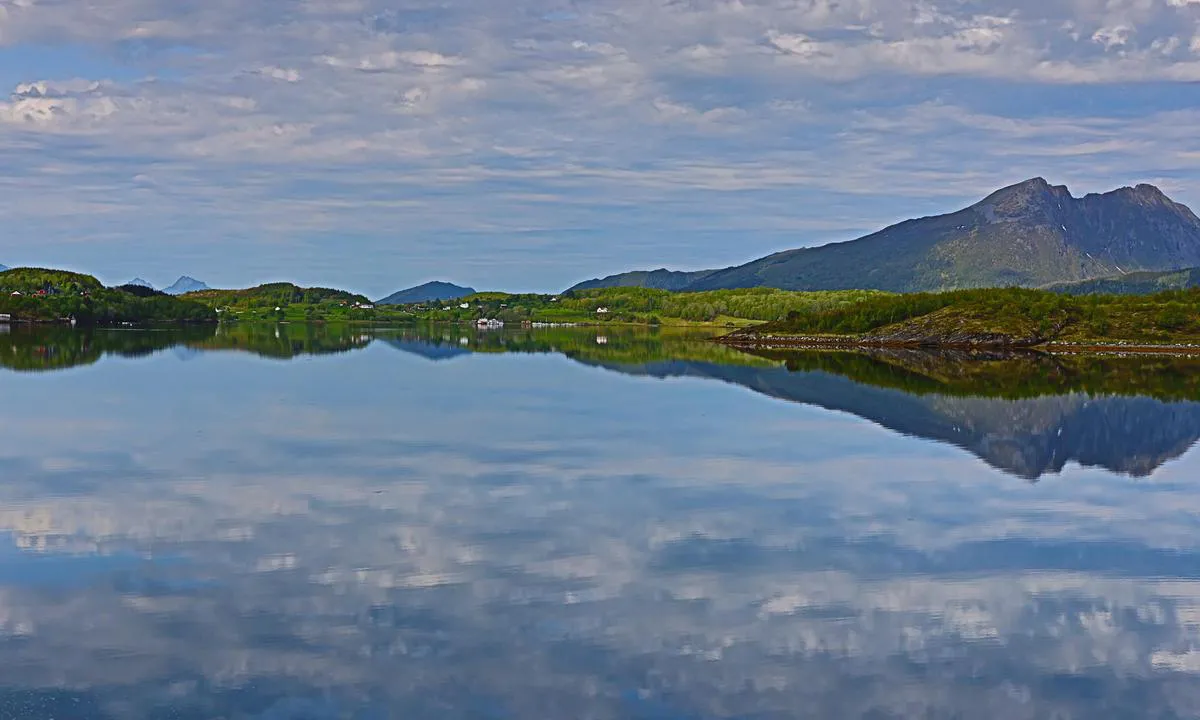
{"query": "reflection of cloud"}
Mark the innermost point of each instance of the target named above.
(540, 537)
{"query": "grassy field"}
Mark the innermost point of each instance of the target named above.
(728, 308)
(999, 317)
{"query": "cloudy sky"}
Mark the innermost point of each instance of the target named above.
(529, 144)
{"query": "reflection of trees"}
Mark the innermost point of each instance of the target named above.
(55, 347)
(596, 345)
(284, 340)
(1004, 375)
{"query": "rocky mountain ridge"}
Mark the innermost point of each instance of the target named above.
(1031, 234)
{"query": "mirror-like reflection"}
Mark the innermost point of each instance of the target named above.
(476, 528)
(1028, 414)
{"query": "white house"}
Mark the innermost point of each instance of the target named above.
(464, 306)
(602, 311)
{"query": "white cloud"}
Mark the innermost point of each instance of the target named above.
(277, 73)
(1112, 37)
(682, 98)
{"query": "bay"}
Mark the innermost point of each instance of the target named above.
(344, 522)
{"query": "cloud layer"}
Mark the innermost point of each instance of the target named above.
(535, 142)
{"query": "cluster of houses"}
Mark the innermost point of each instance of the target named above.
(44, 293)
(489, 323)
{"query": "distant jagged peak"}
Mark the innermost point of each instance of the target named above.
(185, 284)
(1142, 192)
(1023, 193)
(1036, 198)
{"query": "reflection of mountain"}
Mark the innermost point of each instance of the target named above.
(1027, 415)
(1028, 437)
(427, 349)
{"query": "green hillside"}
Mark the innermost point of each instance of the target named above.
(42, 295)
(635, 305)
(1003, 317)
(285, 301)
(1134, 283)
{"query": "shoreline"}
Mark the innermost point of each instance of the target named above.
(850, 343)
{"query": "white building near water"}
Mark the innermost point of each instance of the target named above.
(488, 324)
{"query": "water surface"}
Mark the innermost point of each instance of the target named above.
(321, 522)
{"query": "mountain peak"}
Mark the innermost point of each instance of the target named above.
(1037, 183)
(139, 282)
(1033, 187)
(185, 284)
(435, 290)
(1020, 201)
(1144, 193)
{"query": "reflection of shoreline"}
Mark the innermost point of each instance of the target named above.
(845, 344)
(1027, 414)
(49, 348)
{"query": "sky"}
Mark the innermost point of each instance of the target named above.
(530, 144)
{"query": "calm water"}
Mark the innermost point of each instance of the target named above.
(320, 523)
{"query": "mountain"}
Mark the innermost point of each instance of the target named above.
(1134, 283)
(661, 279)
(3, 268)
(139, 282)
(185, 284)
(1030, 234)
(142, 291)
(428, 291)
